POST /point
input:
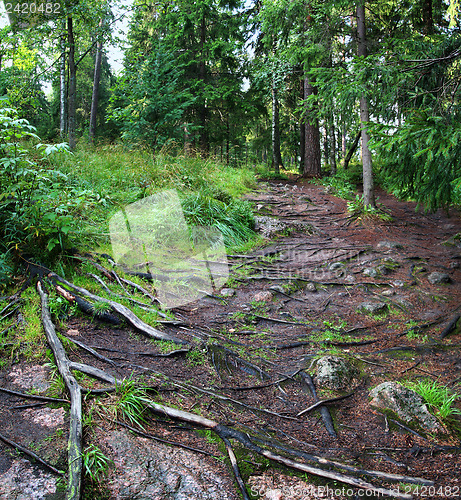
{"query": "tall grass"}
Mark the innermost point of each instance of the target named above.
(233, 219)
(209, 189)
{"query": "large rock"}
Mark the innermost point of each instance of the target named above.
(437, 278)
(374, 307)
(388, 245)
(406, 404)
(20, 480)
(334, 373)
(145, 469)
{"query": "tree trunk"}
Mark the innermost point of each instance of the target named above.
(276, 155)
(428, 21)
(348, 156)
(72, 84)
(368, 192)
(312, 166)
(332, 159)
(96, 82)
(302, 133)
(62, 84)
(204, 146)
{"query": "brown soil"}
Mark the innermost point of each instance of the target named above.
(297, 332)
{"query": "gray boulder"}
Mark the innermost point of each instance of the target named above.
(371, 272)
(335, 373)
(374, 307)
(406, 404)
(388, 245)
(437, 278)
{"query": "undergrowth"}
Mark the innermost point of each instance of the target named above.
(53, 202)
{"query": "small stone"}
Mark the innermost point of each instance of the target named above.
(370, 271)
(264, 296)
(398, 283)
(277, 289)
(387, 293)
(336, 266)
(310, 287)
(383, 269)
(404, 302)
(374, 307)
(334, 372)
(72, 332)
(454, 265)
(390, 245)
(406, 404)
(350, 278)
(227, 292)
(437, 278)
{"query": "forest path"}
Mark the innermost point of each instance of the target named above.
(296, 299)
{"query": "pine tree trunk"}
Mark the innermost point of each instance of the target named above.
(302, 131)
(276, 155)
(332, 159)
(204, 146)
(428, 21)
(312, 165)
(368, 191)
(96, 82)
(72, 84)
(62, 86)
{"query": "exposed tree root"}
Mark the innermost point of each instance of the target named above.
(324, 411)
(30, 454)
(227, 433)
(120, 309)
(451, 326)
(74, 447)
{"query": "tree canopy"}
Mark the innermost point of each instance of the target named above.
(272, 81)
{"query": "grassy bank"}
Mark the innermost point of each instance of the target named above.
(115, 177)
(52, 200)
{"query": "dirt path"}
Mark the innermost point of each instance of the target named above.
(300, 297)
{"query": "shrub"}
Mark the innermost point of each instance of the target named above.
(39, 210)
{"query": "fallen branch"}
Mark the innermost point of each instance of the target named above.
(324, 402)
(87, 308)
(450, 327)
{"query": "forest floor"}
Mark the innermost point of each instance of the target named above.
(251, 347)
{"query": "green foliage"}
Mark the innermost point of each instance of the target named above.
(60, 307)
(39, 210)
(196, 357)
(233, 219)
(338, 184)
(95, 463)
(149, 100)
(359, 210)
(423, 158)
(130, 402)
(6, 269)
(101, 307)
(437, 396)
